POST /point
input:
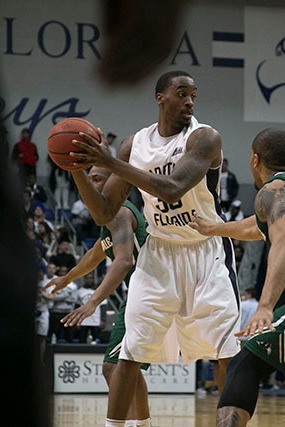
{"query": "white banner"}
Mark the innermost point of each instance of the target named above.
(264, 96)
(82, 373)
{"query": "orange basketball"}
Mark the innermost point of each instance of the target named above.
(60, 141)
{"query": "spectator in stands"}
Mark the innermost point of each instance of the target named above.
(96, 322)
(29, 224)
(83, 222)
(46, 234)
(39, 218)
(50, 273)
(25, 154)
(64, 301)
(61, 234)
(62, 256)
(229, 186)
(36, 242)
(38, 192)
(29, 204)
(234, 213)
(30, 230)
(249, 265)
(61, 184)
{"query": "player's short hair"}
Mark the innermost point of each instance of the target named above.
(165, 80)
(269, 144)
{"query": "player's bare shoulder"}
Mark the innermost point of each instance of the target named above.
(125, 149)
(270, 202)
(207, 143)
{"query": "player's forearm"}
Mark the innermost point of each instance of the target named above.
(88, 263)
(114, 277)
(95, 202)
(161, 186)
(245, 229)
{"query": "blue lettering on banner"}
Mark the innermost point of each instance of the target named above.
(65, 109)
(185, 48)
(63, 43)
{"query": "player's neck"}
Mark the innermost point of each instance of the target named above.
(165, 130)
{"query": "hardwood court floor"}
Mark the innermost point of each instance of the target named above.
(166, 411)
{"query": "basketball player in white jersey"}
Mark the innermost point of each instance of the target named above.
(182, 277)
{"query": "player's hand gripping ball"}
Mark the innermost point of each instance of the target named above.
(60, 141)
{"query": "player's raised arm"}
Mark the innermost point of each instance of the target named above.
(104, 206)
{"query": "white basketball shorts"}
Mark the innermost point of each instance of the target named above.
(192, 288)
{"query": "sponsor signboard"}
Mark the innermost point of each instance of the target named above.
(82, 373)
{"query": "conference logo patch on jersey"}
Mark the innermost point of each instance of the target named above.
(178, 150)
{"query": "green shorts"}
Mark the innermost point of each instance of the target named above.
(270, 346)
(113, 348)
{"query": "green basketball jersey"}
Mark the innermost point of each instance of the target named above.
(139, 237)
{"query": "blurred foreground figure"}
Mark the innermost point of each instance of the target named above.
(22, 397)
(139, 36)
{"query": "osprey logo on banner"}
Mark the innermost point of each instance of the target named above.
(264, 96)
(268, 91)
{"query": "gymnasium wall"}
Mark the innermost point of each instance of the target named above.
(234, 50)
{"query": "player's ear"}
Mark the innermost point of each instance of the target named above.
(159, 98)
(256, 160)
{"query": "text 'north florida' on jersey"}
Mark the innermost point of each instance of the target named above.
(156, 154)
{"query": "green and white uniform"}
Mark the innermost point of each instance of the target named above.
(118, 331)
(270, 346)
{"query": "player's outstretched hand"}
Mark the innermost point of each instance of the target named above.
(93, 152)
(262, 320)
(58, 283)
(201, 225)
(77, 316)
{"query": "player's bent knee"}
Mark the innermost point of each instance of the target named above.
(107, 370)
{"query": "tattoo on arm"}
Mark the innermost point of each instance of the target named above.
(270, 204)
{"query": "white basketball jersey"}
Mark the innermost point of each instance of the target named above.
(157, 154)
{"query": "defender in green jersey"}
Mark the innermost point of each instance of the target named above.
(120, 240)
(264, 351)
